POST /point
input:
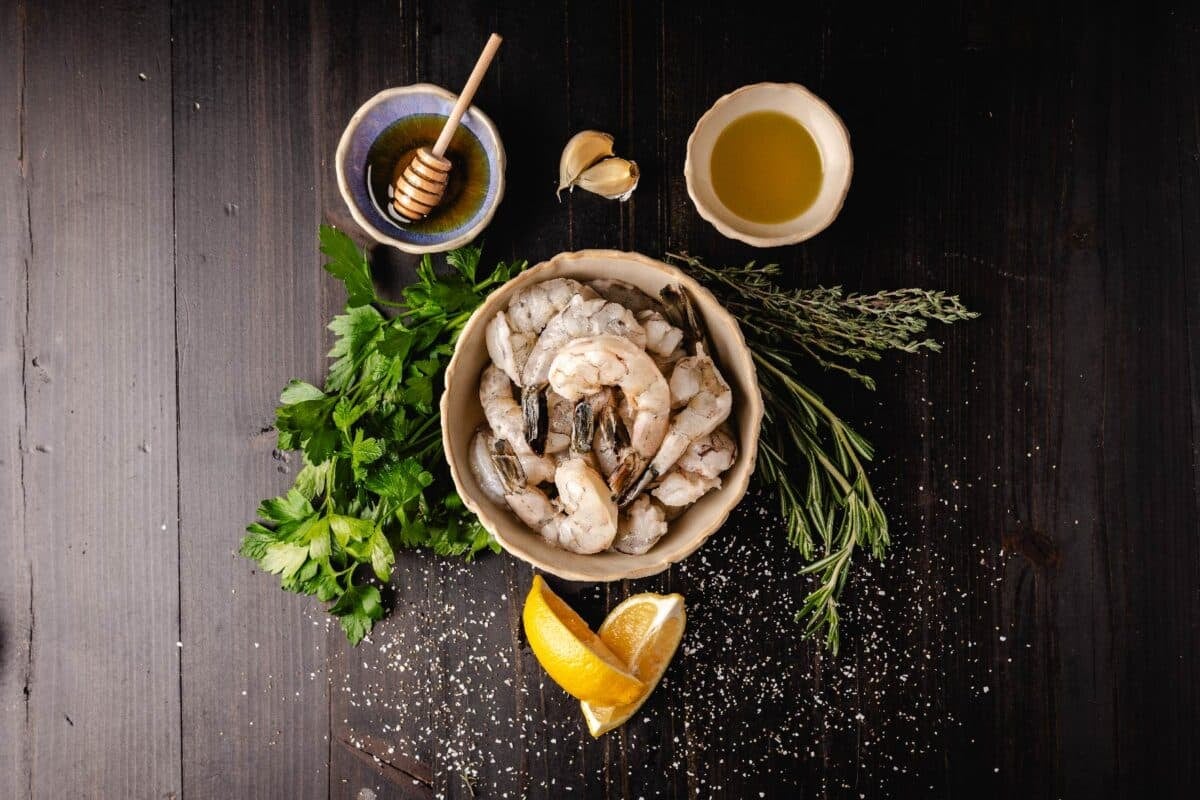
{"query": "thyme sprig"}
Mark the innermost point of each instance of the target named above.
(827, 324)
(834, 511)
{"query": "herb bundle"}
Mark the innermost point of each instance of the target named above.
(374, 476)
(834, 510)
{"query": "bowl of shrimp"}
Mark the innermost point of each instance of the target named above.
(601, 415)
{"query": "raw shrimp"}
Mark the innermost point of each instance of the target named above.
(585, 366)
(617, 460)
(709, 455)
(507, 347)
(641, 526)
(587, 519)
(504, 416)
(584, 416)
(511, 335)
(698, 471)
(626, 294)
(678, 309)
(706, 400)
(483, 468)
(532, 308)
(580, 318)
(566, 455)
(664, 342)
(681, 487)
(662, 338)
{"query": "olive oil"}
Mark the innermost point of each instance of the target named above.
(469, 173)
(766, 167)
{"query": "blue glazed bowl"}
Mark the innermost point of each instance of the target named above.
(441, 231)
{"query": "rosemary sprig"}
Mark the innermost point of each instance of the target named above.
(835, 506)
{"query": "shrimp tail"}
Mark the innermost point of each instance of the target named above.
(537, 417)
(680, 312)
(583, 425)
(672, 448)
(632, 478)
(615, 439)
(508, 465)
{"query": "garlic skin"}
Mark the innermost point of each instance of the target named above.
(613, 178)
(585, 149)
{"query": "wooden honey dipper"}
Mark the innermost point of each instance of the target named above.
(418, 188)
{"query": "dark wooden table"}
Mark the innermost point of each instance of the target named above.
(1035, 634)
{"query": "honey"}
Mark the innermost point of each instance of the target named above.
(469, 175)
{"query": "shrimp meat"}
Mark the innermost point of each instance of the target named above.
(641, 526)
(705, 399)
(580, 318)
(585, 366)
(584, 518)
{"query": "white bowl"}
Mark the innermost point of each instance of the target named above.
(833, 142)
(461, 413)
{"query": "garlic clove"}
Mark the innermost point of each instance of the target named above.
(613, 178)
(585, 149)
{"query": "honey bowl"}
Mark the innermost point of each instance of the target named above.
(386, 130)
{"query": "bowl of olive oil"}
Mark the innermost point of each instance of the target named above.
(380, 140)
(769, 164)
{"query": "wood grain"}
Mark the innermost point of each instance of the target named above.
(99, 460)
(382, 693)
(16, 606)
(1034, 633)
(255, 693)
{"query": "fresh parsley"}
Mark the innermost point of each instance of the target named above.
(374, 478)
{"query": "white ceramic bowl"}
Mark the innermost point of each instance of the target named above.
(826, 127)
(461, 413)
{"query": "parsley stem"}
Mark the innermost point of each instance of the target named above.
(424, 426)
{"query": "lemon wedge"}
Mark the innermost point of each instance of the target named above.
(644, 633)
(572, 655)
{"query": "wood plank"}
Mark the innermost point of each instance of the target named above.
(1148, 505)
(434, 682)
(99, 457)
(750, 707)
(356, 774)
(1181, 703)
(382, 692)
(255, 694)
(925, 684)
(16, 606)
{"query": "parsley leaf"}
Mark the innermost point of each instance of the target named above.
(298, 391)
(401, 482)
(363, 451)
(358, 609)
(357, 331)
(256, 542)
(374, 478)
(283, 557)
(292, 507)
(348, 264)
(465, 260)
